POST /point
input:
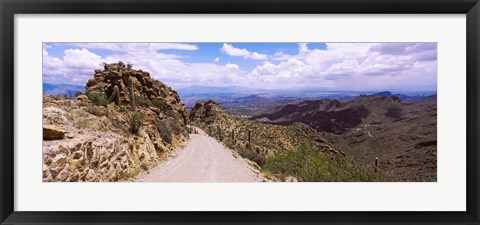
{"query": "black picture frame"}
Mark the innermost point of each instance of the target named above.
(9, 8)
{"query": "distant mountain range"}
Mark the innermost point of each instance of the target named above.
(245, 95)
(197, 90)
(333, 116)
(208, 90)
(401, 96)
(62, 89)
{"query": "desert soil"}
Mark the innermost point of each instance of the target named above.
(203, 159)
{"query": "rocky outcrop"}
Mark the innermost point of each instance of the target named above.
(206, 112)
(145, 89)
(110, 157)
(93, 138)
(52, 132)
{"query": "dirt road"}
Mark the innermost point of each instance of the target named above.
(203, 159)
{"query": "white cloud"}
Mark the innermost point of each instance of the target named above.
(76, 66)
(258, 56)
(81, 58)
(303, 48)
(136, 47)
(233, 67)
(230, 50)
(362, 66)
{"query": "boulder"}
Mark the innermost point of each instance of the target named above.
(62, 176)
(90, 176)
(53, 132)
(82, 98)
(58, 163)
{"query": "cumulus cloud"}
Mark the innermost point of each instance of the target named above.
(357, 66)
(230, 50)
(303, 48)
(232, 66)
(77, 66)
(217, 59)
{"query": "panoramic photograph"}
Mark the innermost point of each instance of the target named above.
(239, 112)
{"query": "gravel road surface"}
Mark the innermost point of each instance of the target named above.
(203, 159)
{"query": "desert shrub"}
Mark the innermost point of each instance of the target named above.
(95, 111)
(133, 173)
(116, 123)
(81, 124)
(143, 102)
(122, 108)
(311, 166)
(172, 114)
(135, 121)
(78, 93)
(166, 132)
(144, 166)
(253, 155)
(129, 65)
(176, 127)
(121, 64)
(161, 104)
(98, 98)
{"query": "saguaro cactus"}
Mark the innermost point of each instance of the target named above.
(233, 136)
(249, 139)
(219, 132)
(130, 92)
(377, 164)
(116, 96)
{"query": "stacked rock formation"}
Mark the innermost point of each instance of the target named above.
(144, 87)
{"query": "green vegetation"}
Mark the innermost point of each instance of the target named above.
(78, 93)
(144, 102)
(121, 64)
(135, 121)
(133, 173)
(172, 114)
(116, 95)
(144, 166)
(81, 123)
(131, 94)
(161, 104)
(95, 111)
(157, 103)
(176, 127)
(116, 123)
(163, 127)
(254, 155)
(308, 165)
(98, 98)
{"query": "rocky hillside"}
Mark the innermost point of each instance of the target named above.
(265, 139)
(403, 135)
(125, 122)
(265, 143)
(333, 116)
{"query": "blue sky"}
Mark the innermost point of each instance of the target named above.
(335, 66)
